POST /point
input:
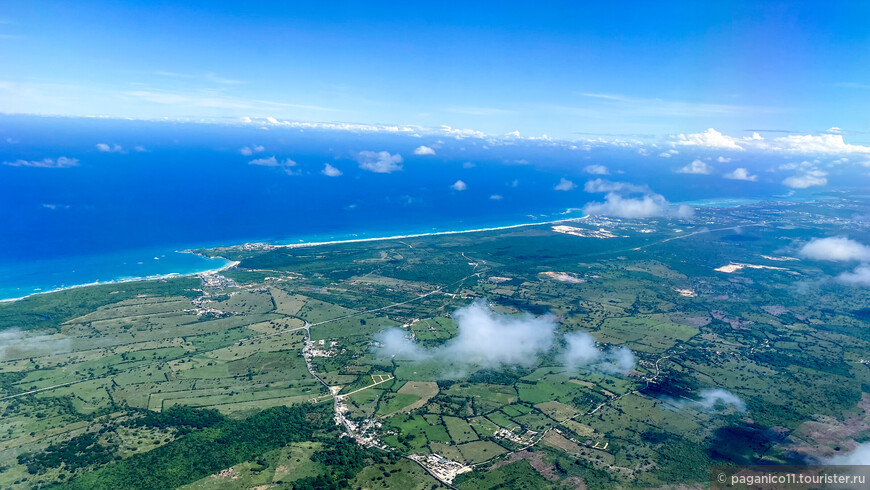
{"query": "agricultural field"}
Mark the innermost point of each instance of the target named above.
(522, 357)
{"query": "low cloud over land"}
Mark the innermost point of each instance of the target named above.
(860, 456)
(582, 352)
(625, 200)
(492, 340)
(835, 249)
(807, 179)
(485, 338)
(711, 400)
(17, 344)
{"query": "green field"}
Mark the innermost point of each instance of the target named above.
(81, 369)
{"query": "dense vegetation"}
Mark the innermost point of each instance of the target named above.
(207, 451)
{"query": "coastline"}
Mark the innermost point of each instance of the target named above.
(123, 280)
(712, 203)
(231, 264)
(421, 235)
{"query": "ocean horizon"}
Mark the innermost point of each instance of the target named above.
(162, 188)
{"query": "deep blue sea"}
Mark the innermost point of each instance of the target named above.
(126, 214)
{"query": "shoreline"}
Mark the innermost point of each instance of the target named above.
(419, 235)
(231, 264)
(712, 204)
(156, 277)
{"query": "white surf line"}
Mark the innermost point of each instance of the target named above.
(422, 235)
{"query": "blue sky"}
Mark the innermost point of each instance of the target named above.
(566, 70)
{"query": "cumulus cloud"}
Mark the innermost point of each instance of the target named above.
(485, 338)
(859, 277)
(330, 171)
(708, 139)
(424, 150)
(835, 249)
(860, 456)
(723, 159)
(696, 167)
(807, 179)
(287, 164)
(622, 201)
(601, 185)
(496, 197)
(821, 143)
(665, 154)
(647, 206)
(582, 352)
(741, 173)
(596, 170)
(825, 143)
(459, 186)
(379, 162)
(565, 185)
(139, 149)
(250, 150)
(60, 162)
(106, 148)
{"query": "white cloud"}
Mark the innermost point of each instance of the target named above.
(139, 149)
(18, 344)
(647, 206)
(835, 249)
(106, 148)
(741, 173)
(565, 185)
(496, 197)
(601, 185)
(859, 457)
(250, 150)
(459, 186)
(468, 165)
(710, 401)
(596, 170)
(581, 352)
(287, 164)
(807, 179)
(665, 154)
(723, 159)
(696, 167)
(424, 150)
(380, 162)
(859, 277)
(618, 203)
(708, 139)
(485, 338)
(821, 143)
(826, 143)
(61, 162)
(330, 171)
